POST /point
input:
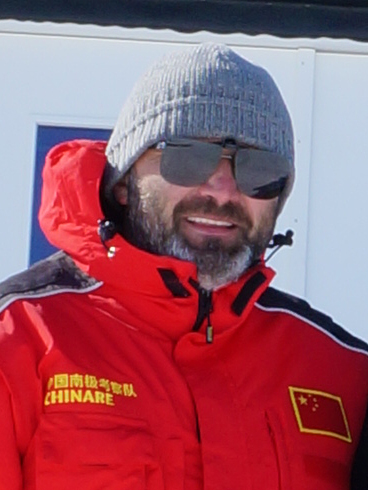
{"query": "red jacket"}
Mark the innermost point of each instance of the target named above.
(104, 384)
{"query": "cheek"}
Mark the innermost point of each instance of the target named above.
(260, 210)
(175, 193)
(160, 196)
(170, 196)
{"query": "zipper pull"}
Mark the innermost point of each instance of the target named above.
(209, 334)
(205, 308)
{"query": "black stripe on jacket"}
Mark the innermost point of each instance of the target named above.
(275, 300)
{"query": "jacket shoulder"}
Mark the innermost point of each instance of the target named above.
(58, 273)
(275, 300)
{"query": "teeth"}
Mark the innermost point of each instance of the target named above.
(207, 221)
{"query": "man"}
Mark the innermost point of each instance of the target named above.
(152, 352)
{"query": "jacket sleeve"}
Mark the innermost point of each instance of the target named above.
(359, 475)
(10, 466)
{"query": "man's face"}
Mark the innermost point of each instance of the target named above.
(214, 225)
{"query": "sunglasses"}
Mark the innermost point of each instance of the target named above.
(258, 173)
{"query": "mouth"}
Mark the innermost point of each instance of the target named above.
(199, 227)
(210, 222)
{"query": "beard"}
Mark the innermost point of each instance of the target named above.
(217, 263)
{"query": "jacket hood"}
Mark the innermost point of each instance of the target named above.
(70, 207)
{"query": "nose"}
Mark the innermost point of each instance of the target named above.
(221, 184)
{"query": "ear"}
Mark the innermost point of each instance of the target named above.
(121, 193)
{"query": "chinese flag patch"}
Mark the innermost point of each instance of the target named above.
(318, 412)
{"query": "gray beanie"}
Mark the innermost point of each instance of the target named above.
(207, 91)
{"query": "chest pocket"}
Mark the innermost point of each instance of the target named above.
(308, 461)
(94, 451)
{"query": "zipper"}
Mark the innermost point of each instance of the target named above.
(205, 309)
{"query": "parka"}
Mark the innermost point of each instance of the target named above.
(117, 371)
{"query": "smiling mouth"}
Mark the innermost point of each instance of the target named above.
(210, 222)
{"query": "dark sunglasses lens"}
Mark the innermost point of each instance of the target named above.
(189, 163)
(261, 174)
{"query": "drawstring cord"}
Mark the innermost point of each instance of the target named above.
(106, 231)
(279, 241)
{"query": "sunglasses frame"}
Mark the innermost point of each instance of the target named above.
(266, 184)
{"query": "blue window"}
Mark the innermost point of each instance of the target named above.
(47, 137)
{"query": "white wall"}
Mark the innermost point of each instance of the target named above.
(80, 75)
(338, 224)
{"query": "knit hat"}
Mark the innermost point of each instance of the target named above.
(208, 91)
